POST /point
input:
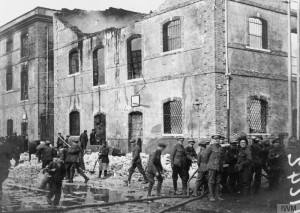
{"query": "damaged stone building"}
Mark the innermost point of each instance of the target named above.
(173, 61)
(26, 75)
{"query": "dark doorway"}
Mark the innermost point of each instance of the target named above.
(74, 123)
(100, 128)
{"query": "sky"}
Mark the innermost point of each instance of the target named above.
(11, 9)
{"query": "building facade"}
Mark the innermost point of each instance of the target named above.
(173, 61)
(26, 75)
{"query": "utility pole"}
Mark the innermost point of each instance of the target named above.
(227, 73)
(289, 70)
(298, 81)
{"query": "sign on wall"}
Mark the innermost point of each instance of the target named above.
(135, 100)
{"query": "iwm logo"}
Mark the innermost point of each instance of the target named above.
(288, 208)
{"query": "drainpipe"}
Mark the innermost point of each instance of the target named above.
(47, 73)
(298, 80)
(289, 70)
(227, 73)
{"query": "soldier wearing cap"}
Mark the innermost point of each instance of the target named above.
(136, 161)
(59, 142)
(72, 160)
(155, 169)
(256, 167)
(178, 158)
(213, 156)
(46, 154)
(202, 170)
(83, 139)
(93, 137)
(231, 158)
(190, 156)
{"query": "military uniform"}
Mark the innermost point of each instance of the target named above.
(231, 158)
(256, 168)
(190, 154)
(103, 160)
(178, 159)
(202, 172)
(46, 154)
(243, 168)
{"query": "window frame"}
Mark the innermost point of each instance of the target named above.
(264, 103)
(130, 59)
(181, 117)
(264, 40)
(70, 126)
(71, 59)
(165, 34)
(96, 61)
(9, 72)
(26, 46)
(24, 82)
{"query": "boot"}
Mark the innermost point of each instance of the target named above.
(84, 176)
(211, 193)
(175, 188)
(100, 172)
(184, 188)
(105, 173)
(158, 188)
(218, 193)
(145, 179)
(150, 189)
(71, 176)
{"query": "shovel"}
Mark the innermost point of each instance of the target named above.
(93, 171)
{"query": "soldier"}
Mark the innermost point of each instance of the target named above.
(72, 160)
(103, 159)
(6, 152)
(243, 166)
(178, 158)
(57, 171)
(231, 158)
(190, 156)
(59, 142)
(93, 137)
(256, 168)
(155, 169)
(202, 170)
(224, 175)
(46, 154)
(63, 155)
(276, 162)
(136, 162)
(67, 139)
(83, 140)
(265, 144)
(213, 156)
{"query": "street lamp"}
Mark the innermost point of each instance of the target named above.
(198, 104)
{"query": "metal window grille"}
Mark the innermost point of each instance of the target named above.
(256, 33)
(74, 123)
(172, 117)
(9, 45)
(98, 67)
(74, 62)
(24, 83)
(172, 35)
(10, 127)
(9, 78)
(257, 116)
(24, 45)
(135, 59)
(100, 128)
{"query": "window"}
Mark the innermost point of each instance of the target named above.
(24, 82)
(98, 67)
(9, 45)
(10, 127)
(258, 33)
(172, 35)
(257, 116)
(74, 61)
(24, 45)
(100, 128)
(74, 123)
(9, 78)
(294, 53)
(172, 112)
(134, 57)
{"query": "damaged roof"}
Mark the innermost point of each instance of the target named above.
(87, 22)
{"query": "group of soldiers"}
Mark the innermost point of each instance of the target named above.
(236, 167)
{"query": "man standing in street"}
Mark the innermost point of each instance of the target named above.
(257, 157)
(46, 154)
(136, 161)
(93, 137)
(83, 139)
(155, 169)
(73, 158)
(214, 159)
(202, 170)
(190, 156)
(178, 158)
(59, 142)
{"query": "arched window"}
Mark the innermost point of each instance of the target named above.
(134, 57)
(74, 123)
(10, 127)
(98, 67)
(172, 112)
(258, 33)
(9, 78)
(172, 35)
(24, 44)
(257, 115)
(24, 82)
(135, 124)
(100, 128)
(73, 61)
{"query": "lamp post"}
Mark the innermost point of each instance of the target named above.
(198, 104)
